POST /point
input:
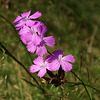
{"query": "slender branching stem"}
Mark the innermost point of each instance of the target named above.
(16, 34)
(80, 83)
(8, 53)
(83, 85)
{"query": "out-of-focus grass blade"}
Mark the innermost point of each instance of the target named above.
(17, 36)
(21, 90)
(10, 24)
(32, 84)
(7, 41)
(29, 83)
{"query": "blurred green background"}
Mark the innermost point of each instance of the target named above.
(75, 25)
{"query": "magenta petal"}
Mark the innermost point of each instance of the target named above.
(26, 14)
(36, 39)
(36, 23)
(34, 68)
(50, 41)
(49, 58)
(24, 30)
(31, 47)
(48, 66)
(38, 61)
(18, 18)
(41, 29)
(30, 23)
(58, 52)
(35, 15)
(26, 38)
(55, 65)
(69, 58)
(41, 72)
(19, 25)
(41, 50)
(66, 66)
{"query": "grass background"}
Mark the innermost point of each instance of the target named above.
(75, 26)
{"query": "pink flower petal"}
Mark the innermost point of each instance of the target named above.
(34, 68)
(18, 18)
(30, 23)
(41, 50)
(66, 66)
(26, 14)
(49, 58)
(38, 60)
(55, 65)
(47, 65)
(31, 47)
(19, 25)
(58, 52)
(24, 30)
(41, 29)
(69, 58)
(50, 41)
(36, 39)
(26, 38)
(35, 15)
(42, 72)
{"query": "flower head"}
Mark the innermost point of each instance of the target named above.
(26, 19)
(39, 41)
(58, 60)
(30, 34)
(39, 65)
(41, 49)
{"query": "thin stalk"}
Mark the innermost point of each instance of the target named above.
(16, 35)
(7, 52)
(10, 24)
(7, 41)
(83, 85)
(92, 87)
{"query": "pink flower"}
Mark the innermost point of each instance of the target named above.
(39, 45)
(41, 49)
(30, 34)
(41, 29)
(26, 19)
(39, 65)
(58, 60)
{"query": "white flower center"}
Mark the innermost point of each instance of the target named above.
(43, 65)
(26, 18)
(33, 31)
(60, 58)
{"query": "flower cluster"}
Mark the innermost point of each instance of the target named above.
(32, 33)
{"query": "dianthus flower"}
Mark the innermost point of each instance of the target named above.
(39, 65)
(40, 48)
(58, 60)
(26, 19)
(30, 34)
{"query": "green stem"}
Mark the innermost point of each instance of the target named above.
(7, 52)
(16, 35)
(83, 85)
(7, 41)
(10, 24)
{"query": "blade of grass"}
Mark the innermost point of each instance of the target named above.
(8, 53)
(21, 90)
(31, 83)
(83, 85)
(17, 35)
(7, 41)
(74, 84)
